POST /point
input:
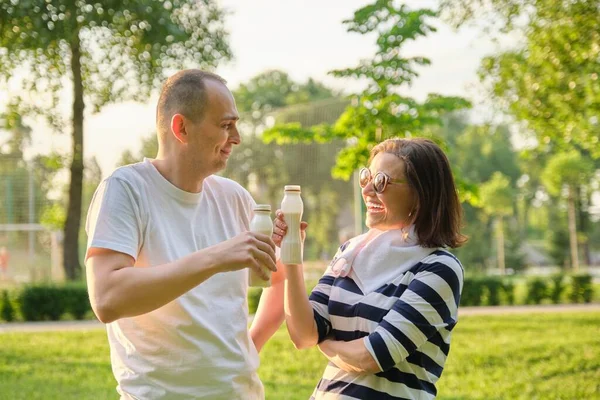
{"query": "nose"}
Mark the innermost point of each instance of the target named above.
(234, 135)
(368, 190)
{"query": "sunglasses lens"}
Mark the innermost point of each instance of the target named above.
(364, 177)
(379, 183)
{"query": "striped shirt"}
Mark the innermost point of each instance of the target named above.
(406, 325)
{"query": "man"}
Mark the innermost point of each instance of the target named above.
(168, 256)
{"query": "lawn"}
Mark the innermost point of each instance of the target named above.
(536, 356)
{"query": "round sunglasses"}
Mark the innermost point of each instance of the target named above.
(380, 180)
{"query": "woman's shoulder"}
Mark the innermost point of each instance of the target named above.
(440, 258)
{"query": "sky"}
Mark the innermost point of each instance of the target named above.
(303, 38)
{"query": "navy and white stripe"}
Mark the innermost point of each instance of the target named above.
(406, 325)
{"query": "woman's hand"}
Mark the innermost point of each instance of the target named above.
(280, 228)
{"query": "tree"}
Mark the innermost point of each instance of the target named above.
(551, 83)
(566, 172)
(380, 111)
(476, 153)
(497, 196)
(149, 149)
(110, 51)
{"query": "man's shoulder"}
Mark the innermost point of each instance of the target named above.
(132, 174)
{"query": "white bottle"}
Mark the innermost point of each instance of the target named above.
(261, 223)
(292, 208)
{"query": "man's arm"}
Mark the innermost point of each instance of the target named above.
(269, 314)
(118, 290)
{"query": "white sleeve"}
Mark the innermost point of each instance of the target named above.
(114, 219)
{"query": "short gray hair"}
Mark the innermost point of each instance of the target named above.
(184, 93)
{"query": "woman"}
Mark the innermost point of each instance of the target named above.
(384, 310)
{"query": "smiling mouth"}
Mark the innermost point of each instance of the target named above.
(374, 208)
(226, 153)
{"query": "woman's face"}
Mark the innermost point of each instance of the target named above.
(391, 208)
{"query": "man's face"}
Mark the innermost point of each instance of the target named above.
(211, 139)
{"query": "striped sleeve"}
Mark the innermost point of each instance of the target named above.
(319, 298)
(428, 306)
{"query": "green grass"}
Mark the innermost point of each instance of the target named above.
(536, 356)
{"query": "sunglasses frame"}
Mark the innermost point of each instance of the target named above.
(386, 180)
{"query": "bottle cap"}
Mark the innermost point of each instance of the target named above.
(292, 188)
(262, 207)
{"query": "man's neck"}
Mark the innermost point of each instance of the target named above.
(178, 174)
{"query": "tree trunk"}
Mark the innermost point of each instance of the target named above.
(573, 230)
(500, 245)
(72, 224)
(583, 222)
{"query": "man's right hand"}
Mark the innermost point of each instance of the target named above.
(247, 250)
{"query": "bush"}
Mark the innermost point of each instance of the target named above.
(50, 302)
(77, 301)
(537, 290)
(557, 289)
(253, 299)
(581, 288)
(493, 286)
(472, 293)
(490, 290)
(7, 311)
(508, 291)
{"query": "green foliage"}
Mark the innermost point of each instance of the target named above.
(254, 294)
(497, 195)
(76, 300)
(7, 311)
(476, 252)
(41, 302)
(557, 288)
(51, 302)
(494, 287)
(149, 149)
(126, 48)
(53, 216)
(274, 89)
(556, 236)
(551, 82)
(513, 243)
(508, 292)
(489, 291)
(379, 112)
(566, 169)
(581, 288)
(549, 85)
(537, 290)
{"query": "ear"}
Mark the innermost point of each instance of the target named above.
(178, 128)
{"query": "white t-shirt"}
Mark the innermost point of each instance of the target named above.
(198, 345)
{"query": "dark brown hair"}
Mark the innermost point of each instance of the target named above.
(184, 93)
(438, 217)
